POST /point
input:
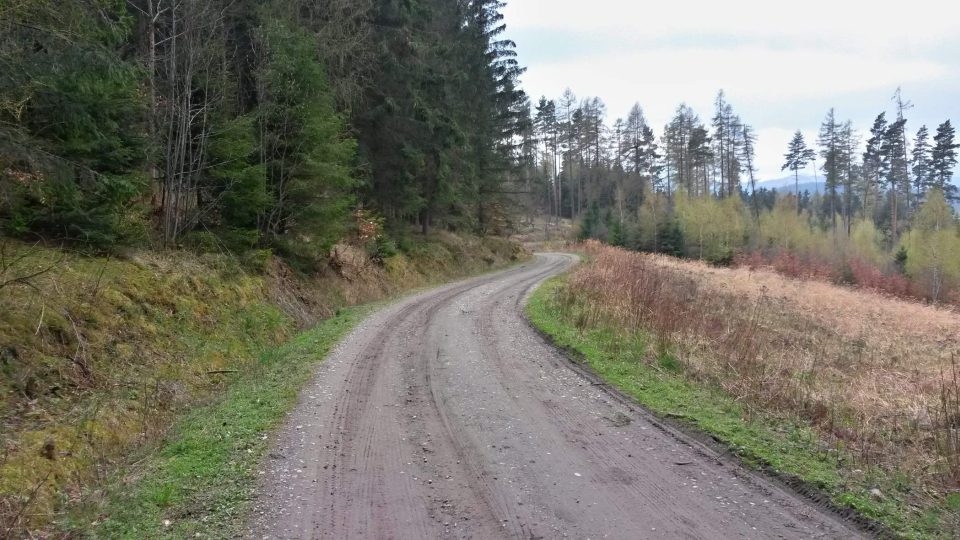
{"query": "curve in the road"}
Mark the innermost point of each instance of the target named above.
(446, 416)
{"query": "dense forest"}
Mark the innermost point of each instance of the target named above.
(281, 125)
(290, 124)
(186, 185)
(882, 217)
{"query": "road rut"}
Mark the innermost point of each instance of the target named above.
(446, 416)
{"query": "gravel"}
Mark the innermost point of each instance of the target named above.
(446, 416)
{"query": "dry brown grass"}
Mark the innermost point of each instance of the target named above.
(868, 371)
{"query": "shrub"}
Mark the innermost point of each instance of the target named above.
(869, 276)
(202, 242)
(381, 248)
(257, 260)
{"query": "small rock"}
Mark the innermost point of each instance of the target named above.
(876, 494)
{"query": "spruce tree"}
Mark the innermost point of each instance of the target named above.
(943, 158)
(875, 163)
(727, 145)
(894, 153)
(71, 139)
(831, 150)
(306, 156)
(798, 156)
(748, 139)
(547, 127)
(849, 140)
(920, 162)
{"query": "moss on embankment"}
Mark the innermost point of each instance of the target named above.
(100, 356)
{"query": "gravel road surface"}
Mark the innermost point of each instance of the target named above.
(446, 416)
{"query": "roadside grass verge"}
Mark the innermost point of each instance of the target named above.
(645, 367)
(101, 355)
(199, 480)
(199, 484)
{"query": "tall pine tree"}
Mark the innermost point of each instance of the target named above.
(798, 156)
(943, 158)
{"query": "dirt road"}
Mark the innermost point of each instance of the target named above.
(447, 416)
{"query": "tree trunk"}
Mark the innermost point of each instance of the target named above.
(796, 187)
(425, 222)
(893, 212)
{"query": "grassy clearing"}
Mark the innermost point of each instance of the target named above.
(681, 364)
(100, 356)
(200, 483)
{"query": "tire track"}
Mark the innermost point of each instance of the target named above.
(447, 416)
(480, 479)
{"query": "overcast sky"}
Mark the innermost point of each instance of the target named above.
(782, 65)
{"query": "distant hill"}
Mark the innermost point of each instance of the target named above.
(786, 184)
(813, 184)
(784, 180)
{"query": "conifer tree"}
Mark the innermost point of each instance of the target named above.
(920, 162)
(798, 156)
(902, 161)
(875, 164)
(848, 143)
(547, 127)
(894, 153)
(307, 160)
(748, 145)
(943, 158)
(831, 150)
(71, 138)
(727, 141)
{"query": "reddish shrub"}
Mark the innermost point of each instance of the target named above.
(753, 260)
(858, 272)
(869, 276)
(808, 267)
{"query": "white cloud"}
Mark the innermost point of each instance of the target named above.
(861, 24)
(748, 73)
(781, 65)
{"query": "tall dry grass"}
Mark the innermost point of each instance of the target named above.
(871, 373)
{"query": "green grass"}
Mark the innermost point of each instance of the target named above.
(107, 352)
(100, 356)
(782, 445)
(200, 483)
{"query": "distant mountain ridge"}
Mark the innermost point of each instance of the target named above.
(813, 184)
(786, 184)
(807, 182)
